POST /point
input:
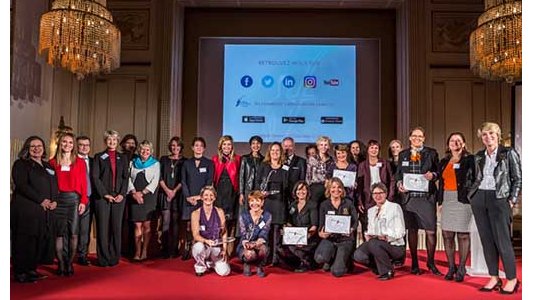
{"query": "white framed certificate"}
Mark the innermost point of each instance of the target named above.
(294, 235)
(347, 177)
(415, 182)
(337, 224)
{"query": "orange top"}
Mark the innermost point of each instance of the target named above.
(450, 182)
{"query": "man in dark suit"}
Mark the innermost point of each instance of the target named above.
(295, 165)
(84, 148)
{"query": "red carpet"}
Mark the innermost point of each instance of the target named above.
(175, 279)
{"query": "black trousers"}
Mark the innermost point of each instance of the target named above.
(493, 220)
(317, 193)
(339, 252)
(379, 252)
(109, 231)
(85, 229)
(25, 253)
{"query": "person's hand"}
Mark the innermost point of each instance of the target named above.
(52, 205)
(428, 175)
(323, 234)
(511, 204)
(109, 198)
(401, 188)
(439, 208)
(170, 195)
(361, 208)
(81, 208)
(241, 199)
(45, 204)
(210, 243)
(382, 237)
(248, 245)
(138, 196)
(368, 237)
(118, 198)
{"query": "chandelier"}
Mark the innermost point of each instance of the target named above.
(79, 35)
(496, 44)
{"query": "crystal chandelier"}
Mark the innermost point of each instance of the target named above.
(79, 35)
(496, 44)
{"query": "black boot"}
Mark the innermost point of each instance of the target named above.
(451, 273)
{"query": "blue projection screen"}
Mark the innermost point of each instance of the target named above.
(302, 91)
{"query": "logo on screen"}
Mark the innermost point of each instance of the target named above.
(289, 82)
(310, 82)
(242, 103)
(332, 82)
(247, 81)
(267, 81)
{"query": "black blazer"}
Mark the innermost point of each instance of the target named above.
(464, 175)
(33, 183)
(102, 176)
(430, 163)
(297, 169)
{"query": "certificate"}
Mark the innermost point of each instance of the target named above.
(415, 182)
(294, 235)
(337, 224)
(347, 177)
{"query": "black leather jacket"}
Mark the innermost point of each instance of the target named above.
(464, 176)
(507, 174)
(248, 172)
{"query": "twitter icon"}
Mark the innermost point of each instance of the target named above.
(267, 81)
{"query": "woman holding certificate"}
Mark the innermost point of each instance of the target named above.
(273, 180)
(337, 227)
(344, 170)
(492, 196)
(317, 167)
(416, 177)
(384, 237)
(369, 172)
(254, 227)
(208, 225)
(457, 175)
(303, 216)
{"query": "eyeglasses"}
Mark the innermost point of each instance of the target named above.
(378, 193)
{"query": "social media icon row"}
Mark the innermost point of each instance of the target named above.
(288, 81)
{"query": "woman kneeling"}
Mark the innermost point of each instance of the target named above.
(208, 230)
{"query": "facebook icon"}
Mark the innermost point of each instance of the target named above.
(289, 82)
(246, 81)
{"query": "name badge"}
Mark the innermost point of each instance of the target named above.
(65, 168)
(285, 167)
(202, 170)
(379, 165)
(405, 164)
(295, 168)
(456, 166)
(202, 227)
(104, 156)
(50, 171)
(331, 212)
(262, 224)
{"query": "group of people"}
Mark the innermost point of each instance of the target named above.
(243, 205)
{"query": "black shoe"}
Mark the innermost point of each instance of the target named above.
(60, 270)
(69, 270)
(374, 270)
(260, 272)
(387, 276)
(24, 278)
(496, 287)
(434, 270)
(514, 290)
(186, 255)
(302, 268)
(198, 274)
(36, 275)
(460, 274)
(451, 273)
(415, 270)
(83, 261)
(246, 270)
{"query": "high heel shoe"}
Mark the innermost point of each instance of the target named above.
(460, 274)
(434, 270)
(69, 270)
(515, 289)
(496, 287)
(451, 273)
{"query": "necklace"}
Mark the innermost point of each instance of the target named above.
(172, 167)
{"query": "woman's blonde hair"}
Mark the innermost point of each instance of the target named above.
(323, 138)
(146, 143)
(109, 133)
(221, 141)
(59, 151)
(208, 188)
(329, 184)
(490, 126)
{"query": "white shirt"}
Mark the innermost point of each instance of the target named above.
(151, 173)
(374, 175)
(389, 222)
(488, 182)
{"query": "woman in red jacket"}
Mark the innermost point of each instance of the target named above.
(226, 182)
(71, 173)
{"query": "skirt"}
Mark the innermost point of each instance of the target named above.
(65, 216)
(420, 213)
(456, 216)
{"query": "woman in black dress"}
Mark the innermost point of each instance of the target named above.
(196, 173)
(272, 180)
(169, 197)
(395, 147)
(142, 187)
(34, 196)
(248, 170)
